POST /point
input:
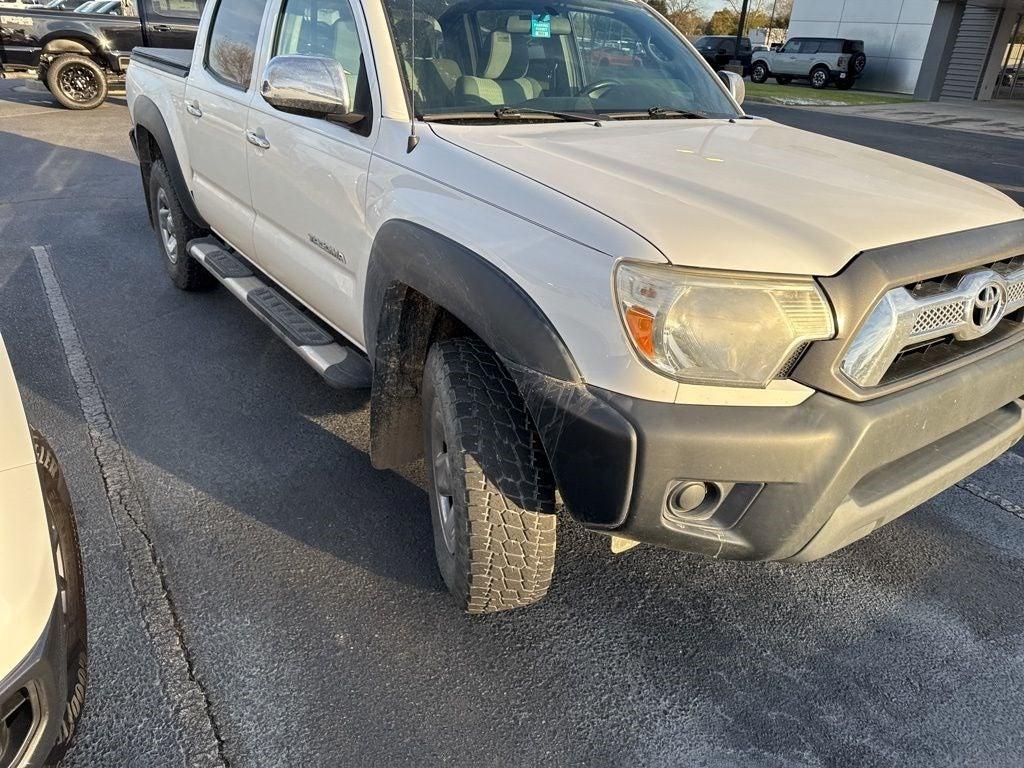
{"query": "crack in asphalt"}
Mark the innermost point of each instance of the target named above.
(190, 703)
(991, 497)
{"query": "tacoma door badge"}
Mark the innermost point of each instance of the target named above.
(327, 248)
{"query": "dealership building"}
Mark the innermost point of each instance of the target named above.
(933, 49)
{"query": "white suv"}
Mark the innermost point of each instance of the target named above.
(821, 60)
(43, 653)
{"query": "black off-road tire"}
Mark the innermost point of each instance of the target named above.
(759, 72)
(500, 552)
(74, 67)
(783, 79)
(821, 77)
(67, 558)
(166, 211)
(845, 83)
(857, 63)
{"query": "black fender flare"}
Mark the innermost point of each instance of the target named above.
(421, 285)
(468, 286)
(147, 116)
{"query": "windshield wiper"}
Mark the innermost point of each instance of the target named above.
(516, 113)
(675, 112)
(509, 113)
(660, 113)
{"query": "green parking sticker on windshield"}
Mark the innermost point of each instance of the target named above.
(540, 26)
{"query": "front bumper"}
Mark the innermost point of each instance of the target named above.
(40, 682)
(794, 483)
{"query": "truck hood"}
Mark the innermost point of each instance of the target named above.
(751, 195)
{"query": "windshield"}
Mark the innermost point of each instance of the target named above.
(597, 57)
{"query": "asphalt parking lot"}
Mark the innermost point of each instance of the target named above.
(260, 596)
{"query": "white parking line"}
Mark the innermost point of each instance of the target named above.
(201, 742)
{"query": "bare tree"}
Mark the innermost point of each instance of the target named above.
(234, 59)
(780, 9)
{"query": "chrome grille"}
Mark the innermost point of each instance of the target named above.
(925, 325)
(941, 316)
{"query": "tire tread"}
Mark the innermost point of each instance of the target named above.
(509, 557)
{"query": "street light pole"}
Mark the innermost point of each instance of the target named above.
(739, 30)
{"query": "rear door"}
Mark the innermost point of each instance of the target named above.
(170, 23)
(220, 86)
(309, 184)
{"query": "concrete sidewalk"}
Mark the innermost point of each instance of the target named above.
(993, 118)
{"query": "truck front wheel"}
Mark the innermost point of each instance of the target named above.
(76, 81)
(492, 496)
(174, 230)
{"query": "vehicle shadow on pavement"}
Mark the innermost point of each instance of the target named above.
(220, 394)
(34, 92)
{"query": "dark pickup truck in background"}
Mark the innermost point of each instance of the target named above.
(78, 54)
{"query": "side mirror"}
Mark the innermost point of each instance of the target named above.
(314, 86)
(735, 84)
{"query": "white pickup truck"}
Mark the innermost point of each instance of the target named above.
(587, 278)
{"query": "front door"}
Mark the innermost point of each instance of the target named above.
(171, 23)
(787, 59)
(220, 87)
(309, 183)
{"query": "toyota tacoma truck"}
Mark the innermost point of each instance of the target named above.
(77, 55)
(606, 291)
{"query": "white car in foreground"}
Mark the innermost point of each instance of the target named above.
(43, 654)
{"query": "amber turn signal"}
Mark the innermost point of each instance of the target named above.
(641, 328)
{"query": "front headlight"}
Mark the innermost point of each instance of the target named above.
(705, 327)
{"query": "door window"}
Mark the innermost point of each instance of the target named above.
(809, 46)
(176, 9)
(325, 28)
(232, 46)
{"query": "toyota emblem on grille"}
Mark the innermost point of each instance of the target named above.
(987, 308)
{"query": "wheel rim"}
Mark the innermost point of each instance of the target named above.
(819, 78)
(758, 73)
(78, 83)
(442, 472)
(165, 223)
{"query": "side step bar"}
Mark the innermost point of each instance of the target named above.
(341, 366)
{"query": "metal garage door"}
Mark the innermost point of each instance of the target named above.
(970, 52)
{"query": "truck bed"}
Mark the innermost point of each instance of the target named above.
(174, 61)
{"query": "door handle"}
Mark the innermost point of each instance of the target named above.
(257, 139)
(192, 107)
(161, 28)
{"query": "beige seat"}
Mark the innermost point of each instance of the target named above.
(431, 77)
(503, 79)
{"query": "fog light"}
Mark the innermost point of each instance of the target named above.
(692, 497)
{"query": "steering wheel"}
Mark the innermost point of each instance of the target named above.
(656, 53)
(597, 85)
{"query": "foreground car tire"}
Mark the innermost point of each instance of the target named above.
(174, 229)
(70, 587)
(76, 81)
(492, 497)
(759, 72)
